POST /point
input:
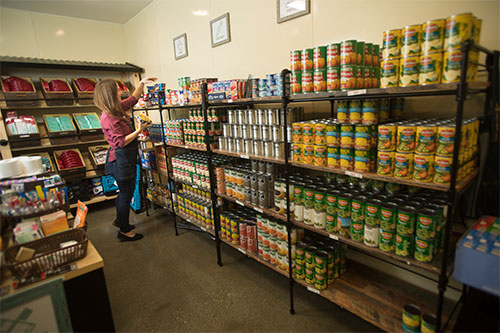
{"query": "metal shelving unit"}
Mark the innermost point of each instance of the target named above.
(375, 296)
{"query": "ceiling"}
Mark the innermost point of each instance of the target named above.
(114, 11)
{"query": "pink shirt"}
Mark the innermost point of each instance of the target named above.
(117, 128)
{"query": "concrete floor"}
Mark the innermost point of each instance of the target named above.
(169, 283)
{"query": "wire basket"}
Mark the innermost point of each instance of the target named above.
(48, 253)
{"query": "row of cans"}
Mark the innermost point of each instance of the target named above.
(257, 132)
(431, 36)
(269, 149)
(213, 115)
(357, 111)
(196, 209)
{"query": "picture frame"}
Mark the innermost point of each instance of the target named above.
(287, 10)
(39, 308)
(220, 30)
(180, 46)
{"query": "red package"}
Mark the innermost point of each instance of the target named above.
(58, 85)
(17, 84)
(85, 84)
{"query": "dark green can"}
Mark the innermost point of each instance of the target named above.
(426, 223)
(404, 245)
(331, 202)
(343, 258)
(405, 223)
(331, 223)
(388, 213)
(386, 240)
(424, 250)
(344, 205)
(319, 199)
(300, 271)
(320, 281)
(321, 262)
(309, 257)
(309, 195)
(298, 193)
(372, 212)
(357, 231)
(309, 275)
(300, 253)
(358, 208)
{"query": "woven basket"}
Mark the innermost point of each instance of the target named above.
(48, 253)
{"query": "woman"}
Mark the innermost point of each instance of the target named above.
(122, 155)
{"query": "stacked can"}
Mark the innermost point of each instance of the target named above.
(254, 132)
(240, 228)
(320, 263)
(359, 65)
(199, 210)
(333, 67)
(273, 241)
(280, 196)
(423, 150)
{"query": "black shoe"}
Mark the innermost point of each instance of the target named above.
(116, 225)
(124, 238)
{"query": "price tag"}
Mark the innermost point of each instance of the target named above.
(229, 100)
(187, 147)
(335, 237)
(314, 290)
(189, 220)
(242, 251)
(240, 203)
(354, 174)
(245, 156)
(258, 210)
(356, 92)
(24, 136)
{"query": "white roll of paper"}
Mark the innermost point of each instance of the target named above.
(10, 168)
(32, 165)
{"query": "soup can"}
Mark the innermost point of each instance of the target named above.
(268, 148)
(237, 131)
(227, 130)
(272, 116)
(260, 117)
(231, 116)
(258, 147)
(250, 116)
(248, 147)
(241, 117)
(371, 235)
(238, 143)
(222, 142)
(246, 131)
(256, 132)
(230, 145)
(276, 133)
(265, 131)
(279, 150)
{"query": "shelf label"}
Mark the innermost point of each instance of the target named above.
(356, 92)
(314, 290)
(258, 210)
(189, 220)
(240, 203)
(229, 100)
(187, 147)
(354, 174)
(24, 136)
(245, 156)
(335, 237)
(242, 251)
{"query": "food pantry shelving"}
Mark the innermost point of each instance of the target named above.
(363, 290)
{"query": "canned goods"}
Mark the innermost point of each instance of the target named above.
(222, 140)
(332, 134)
(458, 30)
(268, 148)
(431, 66)
(307, 81)
(411, 316)
(424, 250)
(371, 235)
(348, 52)
(409, 71)
(297, 131)
(369, 112)
(385, 163)
(403, 165)
(333, 79)
(276, 133)
(346, 136)
(386, 240)
(357, 231)
(423, 167)
(331, 223)
(386, 137)
(426, 224)
(279, 150)
(428, 323)
(265, 132)
(404, 245)
(231, 116)
(307, 59)
(388, 213)
(333, 55)
(319, 80)
(237, 131)
(248, 147)
(308, 133)
(368, 54)
(433, 36)
(391, 43)
(258, 147)
(411, 38)
(261, 118)
(320, 155)
(308, 156)
(406, 138)
(227, 130)
(297, 153)
(362, 160)
(296, 82)
(238, 145)
(445, 140)
(320, 133)
(272, 116)
(452, 65)
(347, 158)
(389, 73)
(442, 169)
(333, 157)
(321, 262)
(342, 112)
(372, 212)
(348, 77)
(295, 60)
(426, 139)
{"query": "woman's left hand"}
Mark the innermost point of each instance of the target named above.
(148, 80)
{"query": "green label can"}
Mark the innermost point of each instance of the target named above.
(309, 196)
(321, 262)
(319, 199)
(300, 253)
(426, 224)
(331, 222)
(309, 275)
(372, 212)
(320, 281)
(386, 240)
(411, 316)
(388, 212)
(344, 205)
(423, 249)
(331, 202)
(309, 256)
(298, 193)
(405, 223)
(358, 209)
(357, 231)
(299, 271)
(404, 245)
(319, 57)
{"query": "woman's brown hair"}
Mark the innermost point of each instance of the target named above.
(106, 97)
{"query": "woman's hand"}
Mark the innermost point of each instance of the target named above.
(148, 80)
(144, 126)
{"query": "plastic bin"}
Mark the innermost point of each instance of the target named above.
(109, 184)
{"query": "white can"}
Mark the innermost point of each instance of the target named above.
(246, 131)
(268, 148)
(258, 147)
(256, 133)
(230, 145)
(371, 236)
(241, 117)
(231, 116)
(265, 132)
(278, 150)
(299, 213)
(227, 130)
(309, 216)
(237, 132)
(248, 147)
(238, 145)
(319, 219)
(250, 115)
(260, 115)
(222, 142)
(276, 133)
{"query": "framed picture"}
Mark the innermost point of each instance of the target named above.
(41, 308)
(220, 31)
(289, 9)
(180, 47)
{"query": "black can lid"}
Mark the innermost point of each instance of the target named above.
(427, 211)
(374, 201)
(360, 197)
(322, 254)
(389, 205)
(312, 249)
(408, 209)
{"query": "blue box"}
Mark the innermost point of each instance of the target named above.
(136, 202)
(109, 184)
(477, 259)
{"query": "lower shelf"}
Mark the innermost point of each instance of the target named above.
(189, 220)
(377, 297)
(161, 205)
(256, 258)
(94, 200)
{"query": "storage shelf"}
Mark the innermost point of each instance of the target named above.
(183, 106)
(377, 297)
(161, 205)
(196, 224)
(251, 157)
(186, 147)
(94, 200)
(268, 211)
(434, 266)
(438, 187)
(245, 101)
(48, 146)
(47, 107)
(256, 258)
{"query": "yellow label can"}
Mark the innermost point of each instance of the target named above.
(308, 156)
(411, 37)
(442, 169)
(308, 133)
(458, 30)
(297, 129)
(320, 155)
(389, 72)
(387, 137)
(403, 165)
(297, 149)
(320, 133)
(433, 35)
(385, 163)
(391, 43)
(431, 66)
(423, 167)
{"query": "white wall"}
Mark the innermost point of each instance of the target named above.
(260, 45)
(30, 34)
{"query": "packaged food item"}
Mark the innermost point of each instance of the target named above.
(389, 72)
(433, 35)
(431, 66)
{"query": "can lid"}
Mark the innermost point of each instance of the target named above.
(389, 205)
(427, 211)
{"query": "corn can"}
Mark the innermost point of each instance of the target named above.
(369, 112)
(385, 163)
(320, 155)
(348, 77)
(342, 112)
(431, 66)
(355, 110)
(433, 36)
(333, 55)
(332, 79)
(389, 72)
(362, 137)
(405, 142)
(347, 158)
(445, 140)
(346, 136)
(409, 71)
(386, 137)
(332, 134)
(442, 169)
(403, 165)
(333, 157)
(423, 167)
(411, 36)
(458, 30)
(362, 160)
(391, 43)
